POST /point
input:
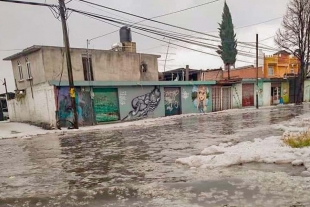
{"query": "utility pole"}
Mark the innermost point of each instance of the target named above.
(6, 89)
(257, 71)
(62, 9)
(166, 56)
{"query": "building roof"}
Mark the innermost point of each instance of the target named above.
(282, 52)
(24, 52)
(179, 70)
(36, 48)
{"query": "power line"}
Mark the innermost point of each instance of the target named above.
(250, 25)
(202, 44)
(267, 38)
(149, 19)
(29, 3)
(135, 27)
(155, 17)
(174, 33)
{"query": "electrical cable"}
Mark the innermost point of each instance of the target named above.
(28, 3)
(157, 16)
(171, 32)
(105, 21)
(149, 19)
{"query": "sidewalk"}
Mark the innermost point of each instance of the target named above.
(23, 130)
(13, 129)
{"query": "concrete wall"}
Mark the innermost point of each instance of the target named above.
(134, 102)
(189, 99)
(307, 91)
(107, 65)
(37, 109)
(37, 70)
(266, 93)
(55, 64)
(236, 91)
(123, 66)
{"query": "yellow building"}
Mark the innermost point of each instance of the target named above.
(280, 64)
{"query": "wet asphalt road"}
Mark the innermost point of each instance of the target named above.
(136, 166)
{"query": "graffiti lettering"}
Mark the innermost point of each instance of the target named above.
(170, 99)
(122, 98)
(185, 94)
(145, 104)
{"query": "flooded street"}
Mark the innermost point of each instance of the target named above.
(136, 166)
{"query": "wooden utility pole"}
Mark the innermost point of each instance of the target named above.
(257, 71)
(62, 10)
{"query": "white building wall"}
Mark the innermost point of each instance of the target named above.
(236, 91)
(266, 93)
(39, 109)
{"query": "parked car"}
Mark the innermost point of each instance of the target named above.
(5, 113)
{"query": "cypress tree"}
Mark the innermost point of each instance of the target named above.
(228, 48)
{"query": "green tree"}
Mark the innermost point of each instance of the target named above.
(228, 48)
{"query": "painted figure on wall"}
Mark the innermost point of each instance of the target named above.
(200, 97)
(144, 104)
(65, 111)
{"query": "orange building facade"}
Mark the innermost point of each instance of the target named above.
(280, 64)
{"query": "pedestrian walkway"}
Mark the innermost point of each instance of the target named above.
(11, 129)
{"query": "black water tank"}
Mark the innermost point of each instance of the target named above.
(125, 34)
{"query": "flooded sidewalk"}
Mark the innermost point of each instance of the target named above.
(135, 165)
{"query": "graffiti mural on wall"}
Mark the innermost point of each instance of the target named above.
(285, 92)
(172, 101)
(200, 97)
(65, 111)
(144, 104)
(106, 105)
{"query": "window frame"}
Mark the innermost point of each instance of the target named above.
(20, 71)
(85, 68)
(269, 69)
(28, 65)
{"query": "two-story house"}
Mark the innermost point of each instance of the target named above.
(38, 70)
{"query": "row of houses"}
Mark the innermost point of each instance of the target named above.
(124, 85)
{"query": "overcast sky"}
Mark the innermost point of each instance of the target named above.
(23, 26)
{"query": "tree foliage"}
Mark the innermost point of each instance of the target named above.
(228, 48)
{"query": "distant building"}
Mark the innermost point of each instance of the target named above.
(246, 72)
(280, 65)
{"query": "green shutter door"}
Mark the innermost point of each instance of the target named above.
(106, 104)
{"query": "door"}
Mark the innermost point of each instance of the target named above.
(106, 106)
(247, 95)
(172, 101)
(216, 98)
(292, 90)
(226, 98)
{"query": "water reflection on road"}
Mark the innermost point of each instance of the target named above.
(136, 166)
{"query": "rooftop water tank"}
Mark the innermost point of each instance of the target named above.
(125, 34)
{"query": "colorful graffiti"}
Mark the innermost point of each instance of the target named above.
(83, 105)
(172, 101)
(200, 98)
(144, 104)
(285, 92)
